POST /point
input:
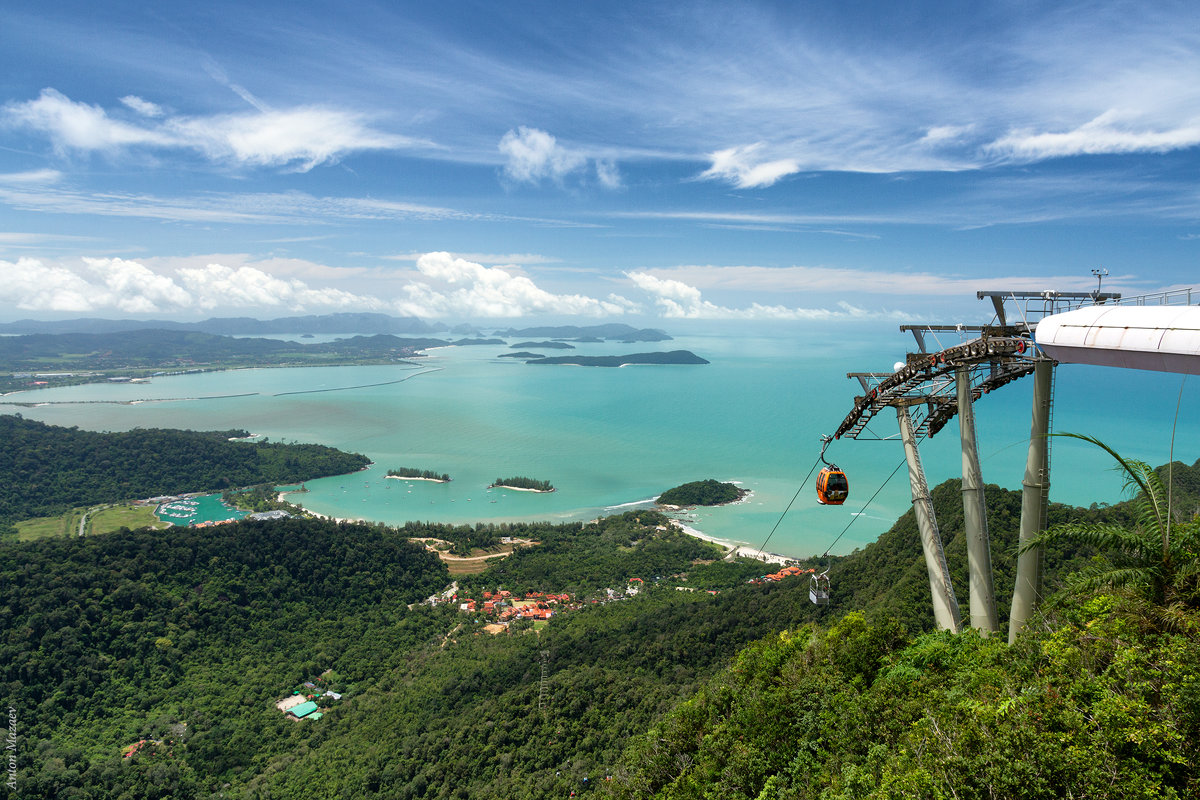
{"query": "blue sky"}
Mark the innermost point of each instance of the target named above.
(638, 161)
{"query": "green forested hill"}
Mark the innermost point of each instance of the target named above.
(187, 638)
(45, 469)
(1091, 703)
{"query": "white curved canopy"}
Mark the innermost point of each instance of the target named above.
(1162, 338)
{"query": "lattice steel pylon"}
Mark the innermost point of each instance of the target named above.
(929, 389)
(543, 683)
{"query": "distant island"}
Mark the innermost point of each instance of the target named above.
(709, 492)
(523, 484)
(546, 345)
(521, 354)
(672, 357)
(409, 473)
(615, 331)
(461, 342)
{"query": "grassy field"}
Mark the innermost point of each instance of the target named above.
(103, 519)
(47, 527)
(117, 517)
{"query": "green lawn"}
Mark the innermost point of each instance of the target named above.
(117, 517)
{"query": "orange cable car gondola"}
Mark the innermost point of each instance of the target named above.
(832, 485)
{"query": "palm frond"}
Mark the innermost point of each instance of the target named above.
(1102, 536)
(1137, 473)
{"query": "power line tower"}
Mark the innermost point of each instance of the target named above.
(542, 704)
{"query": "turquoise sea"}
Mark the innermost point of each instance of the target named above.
(611, 439)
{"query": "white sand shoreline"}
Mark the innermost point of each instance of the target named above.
(734, 550)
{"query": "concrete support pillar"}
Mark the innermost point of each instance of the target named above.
(979, 552)
(945, 605)
(1034, 499)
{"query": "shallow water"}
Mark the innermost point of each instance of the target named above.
(611, 439)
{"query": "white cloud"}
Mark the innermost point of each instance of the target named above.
(79, 126)
(607, 174)
(33, 177)
(533, 155)
(457, 287)
(739, 166)
(134, 289)
(31, 285)
(301, 138)
(216, 285)
(1109, 133)
(678, 300)
(143, 107)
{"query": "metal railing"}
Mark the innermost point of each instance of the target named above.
(1172, 297)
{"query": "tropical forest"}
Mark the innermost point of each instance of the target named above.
(158, 663)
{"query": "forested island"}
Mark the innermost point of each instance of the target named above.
(710, 492)
(519, 482)
(419, 474)
(613, 331)
(672, 357)
(521, 354)
(546, 345)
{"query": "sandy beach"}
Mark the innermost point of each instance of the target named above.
(734, 550)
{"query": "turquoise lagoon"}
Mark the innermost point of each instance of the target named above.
(613, 439)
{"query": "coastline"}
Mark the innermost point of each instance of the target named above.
(402, 478)
(734, 550)
(519, 489)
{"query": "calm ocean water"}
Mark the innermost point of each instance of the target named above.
(611, 439)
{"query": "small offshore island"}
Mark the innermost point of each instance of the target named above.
(672, 357)
(522, 484)
(708, 492)
(410, 474)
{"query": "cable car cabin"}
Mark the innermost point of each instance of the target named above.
(818, 589)
(832, 486)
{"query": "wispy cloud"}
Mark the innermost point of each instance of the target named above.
(739, 166)
(688, 281)
(246, 208)
(298, 138)
(1109, 133)
(485, 258)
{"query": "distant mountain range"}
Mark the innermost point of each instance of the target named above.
(362, 323)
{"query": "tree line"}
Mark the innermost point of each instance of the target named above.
(47, 469)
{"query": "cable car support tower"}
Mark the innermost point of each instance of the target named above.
(930, 388)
